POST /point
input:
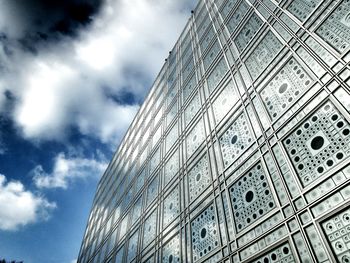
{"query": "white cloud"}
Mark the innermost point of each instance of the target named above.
(68, 84)
(19, 207)
(66, 170)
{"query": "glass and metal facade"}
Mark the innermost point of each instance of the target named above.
(240, 152)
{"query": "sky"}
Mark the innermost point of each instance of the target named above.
(73, 74)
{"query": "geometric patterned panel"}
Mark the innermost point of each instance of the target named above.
(318, 143)
(150, 228)
(188, 69)
(120, 254)
(195, 138)
(248, 31)
(123, 227)
(199, 178)
(263, 54)
(154, 162)
(137, 210)
(171, 250)
(251, 197)
(217, 74)
(335, 30)
(192, 109)
(238, 16)
(132, 248)
(235, 140)
(225, 101)
(188, 87)
(171, 206)
(205, 41)
(228, 7)
(212, 53)
(152, 190)
(186, 55)
(204, 233)
(171, 167)
(202, 29)
(171, 114)
(287, 85)
(337, 231)
(281, 254)
(301, 9)
(171, 137)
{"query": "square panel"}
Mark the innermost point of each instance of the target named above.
(318, 143)
(205, 41)
(187, 53)
(155, 161)
(248, 31)
(337, 231)
(335, 30)
(189, 87)
(171, 207)
(157, 135)
(211, 55)
(171, 114)
(192, 108)
(171, 167)
(228, 7)
(237, 17)
(199, 178)
(205, 235)
(186, 40)
(225, 101)
(217, 74)
(195, 138)
(251, 197)
(171, 83)
(140, 181)
(137, 208)
(281, 254)
(150, 229)
(152, 190)
(188, 68)
(203, 27)
(289, 83)
(263, 54)
(236, 139)
(171, 250)
(123, 227)
(132, 248)
(119, 255)
(301, 9)
(171, 137)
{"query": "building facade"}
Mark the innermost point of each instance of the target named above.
(240, 152)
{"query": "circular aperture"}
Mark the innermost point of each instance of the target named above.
(234, 139)
(170, 259)
(203, 233)
(283, 88)
(249, 196)
(198, 177)
(317, 142)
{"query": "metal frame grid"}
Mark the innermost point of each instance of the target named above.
(240, 152)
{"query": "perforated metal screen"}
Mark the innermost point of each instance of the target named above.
(240, 153)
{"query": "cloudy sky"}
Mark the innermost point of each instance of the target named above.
(73, 73)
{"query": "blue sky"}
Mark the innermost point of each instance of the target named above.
(72, 76)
